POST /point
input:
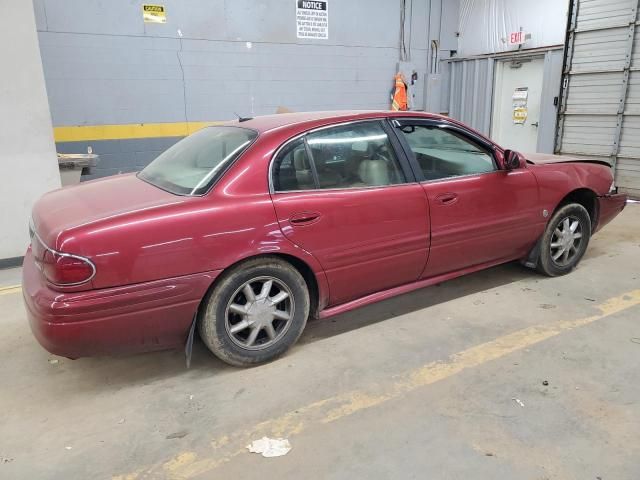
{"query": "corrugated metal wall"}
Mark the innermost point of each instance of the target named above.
(471, 92)
(469, 97)
(486, 24)
(600, 114)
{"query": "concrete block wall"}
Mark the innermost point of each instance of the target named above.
(212, 59)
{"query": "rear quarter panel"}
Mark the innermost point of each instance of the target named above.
(234, 221)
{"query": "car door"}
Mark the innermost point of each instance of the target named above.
(343, 194)
(480, 213)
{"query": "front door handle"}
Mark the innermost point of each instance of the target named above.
(304, 218)
(447, 198)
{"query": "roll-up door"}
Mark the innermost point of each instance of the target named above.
(600, 110)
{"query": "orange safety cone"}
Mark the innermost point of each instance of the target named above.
(399, 97)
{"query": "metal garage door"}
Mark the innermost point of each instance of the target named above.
(600, 112)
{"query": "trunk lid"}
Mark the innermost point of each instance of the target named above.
(66, 208)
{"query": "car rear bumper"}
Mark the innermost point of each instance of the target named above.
(133, 318)
(609, 206)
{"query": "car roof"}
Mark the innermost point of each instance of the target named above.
(265, 123)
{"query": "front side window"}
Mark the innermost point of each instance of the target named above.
(193, 164)
(444, 153)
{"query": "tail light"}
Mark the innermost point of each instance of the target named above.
(66, 269)
(63, 269)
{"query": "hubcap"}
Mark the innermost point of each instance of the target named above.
(259, 313)
(566, 240)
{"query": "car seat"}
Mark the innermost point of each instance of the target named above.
(303, 170)
(374, 172)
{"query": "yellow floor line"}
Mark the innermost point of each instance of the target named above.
(188, 464)
(12, 289)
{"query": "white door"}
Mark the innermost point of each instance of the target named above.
(516, 103)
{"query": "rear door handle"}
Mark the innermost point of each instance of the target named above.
(304, 218)
(447, 198)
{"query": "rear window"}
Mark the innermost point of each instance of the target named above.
(193, 164)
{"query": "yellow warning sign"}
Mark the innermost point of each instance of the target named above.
(520, 115)
(154, 14)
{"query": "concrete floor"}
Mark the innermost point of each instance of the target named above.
(442, 383)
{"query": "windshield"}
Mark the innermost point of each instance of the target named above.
(193, 164)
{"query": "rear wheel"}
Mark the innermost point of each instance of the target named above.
(255, 313)
(565, 240)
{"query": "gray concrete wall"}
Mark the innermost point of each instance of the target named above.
(103, 65)
(27, 154)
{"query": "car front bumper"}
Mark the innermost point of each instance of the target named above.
(132, 318)
(609, 206)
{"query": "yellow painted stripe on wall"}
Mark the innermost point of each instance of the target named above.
(122, 132)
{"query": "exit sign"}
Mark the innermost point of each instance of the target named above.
(518, 38)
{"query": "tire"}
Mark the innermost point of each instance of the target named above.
(554, 259)
(230, 317)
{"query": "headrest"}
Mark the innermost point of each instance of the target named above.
(374, 172)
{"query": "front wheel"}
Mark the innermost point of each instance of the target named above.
(255, 313)
(565, 240)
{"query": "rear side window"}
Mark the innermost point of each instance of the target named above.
(191, 166)
(292, 168)
(357, 155)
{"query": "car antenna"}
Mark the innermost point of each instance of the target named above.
(242, 119)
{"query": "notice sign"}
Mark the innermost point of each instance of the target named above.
(520, 99)
(312, 19)
(154, 14)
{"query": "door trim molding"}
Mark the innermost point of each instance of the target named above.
(408, 287)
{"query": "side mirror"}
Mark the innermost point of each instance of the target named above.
(511, 160)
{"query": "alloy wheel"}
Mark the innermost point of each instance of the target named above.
(566, 240)
(259, 313)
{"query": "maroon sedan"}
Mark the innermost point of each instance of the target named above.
(247, 229)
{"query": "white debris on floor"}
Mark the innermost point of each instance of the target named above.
(270, 447)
